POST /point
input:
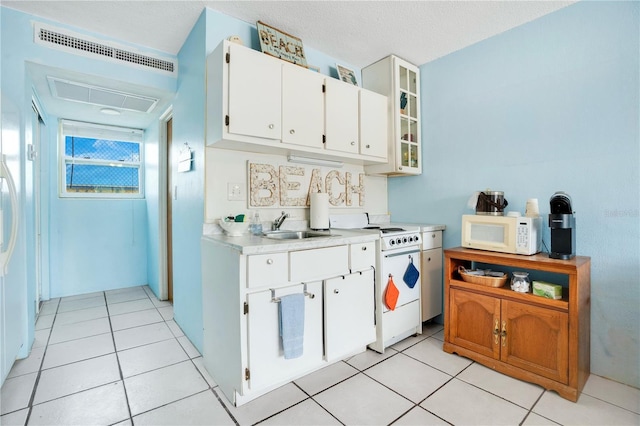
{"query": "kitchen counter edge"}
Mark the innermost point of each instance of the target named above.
(424, 227)
(252, 244)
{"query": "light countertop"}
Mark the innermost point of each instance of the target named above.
(251, 244)
(424, 227)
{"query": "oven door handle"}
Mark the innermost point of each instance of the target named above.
(402, 254)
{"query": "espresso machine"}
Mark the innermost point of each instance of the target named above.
(563, 227)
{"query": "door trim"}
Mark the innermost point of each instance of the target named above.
(163, 279)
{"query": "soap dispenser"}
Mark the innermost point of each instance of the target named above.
(256, 224)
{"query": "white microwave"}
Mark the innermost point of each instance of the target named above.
(506, 234)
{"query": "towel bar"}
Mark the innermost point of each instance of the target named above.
(275, 299)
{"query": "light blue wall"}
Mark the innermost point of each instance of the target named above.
(188, 207)
(97, 245)
(92, 246)
(551, 105)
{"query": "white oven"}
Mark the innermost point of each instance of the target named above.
(397, 249)
(393, 266)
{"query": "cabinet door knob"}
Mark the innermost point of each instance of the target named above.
(433, 235)
(292, 131)
(368, 146)
(271, 126)
(269, 261)
(353, 143)
(364, 248)
(428, 259)
(336, 291)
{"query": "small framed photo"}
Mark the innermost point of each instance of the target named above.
(346, 75)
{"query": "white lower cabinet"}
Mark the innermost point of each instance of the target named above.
(349, 317)
(242, 348)
(267, 364)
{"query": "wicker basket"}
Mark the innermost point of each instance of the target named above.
(485, 280)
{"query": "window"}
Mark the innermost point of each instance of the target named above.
(98, 161)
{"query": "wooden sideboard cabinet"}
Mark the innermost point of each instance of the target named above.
(531, 338)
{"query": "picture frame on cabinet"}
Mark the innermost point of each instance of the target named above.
(347, 75)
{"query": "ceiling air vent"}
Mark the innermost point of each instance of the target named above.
(89, 94)
(79, 44)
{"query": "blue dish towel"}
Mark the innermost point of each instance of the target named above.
(291, 310)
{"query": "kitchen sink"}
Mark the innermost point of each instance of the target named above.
(295, 235)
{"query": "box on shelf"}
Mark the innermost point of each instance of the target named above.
(548, 290)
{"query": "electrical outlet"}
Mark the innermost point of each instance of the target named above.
(235, 192)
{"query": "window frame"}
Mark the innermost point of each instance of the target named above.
(98, 131)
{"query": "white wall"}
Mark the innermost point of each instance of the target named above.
(226, 166)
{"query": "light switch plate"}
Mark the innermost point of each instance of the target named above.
(235, 192)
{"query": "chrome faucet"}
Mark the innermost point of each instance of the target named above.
(278, 222)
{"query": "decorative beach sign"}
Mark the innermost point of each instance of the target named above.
(280, 44)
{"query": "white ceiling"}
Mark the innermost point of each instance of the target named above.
(353, 32)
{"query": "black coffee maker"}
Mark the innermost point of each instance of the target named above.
(563, 227)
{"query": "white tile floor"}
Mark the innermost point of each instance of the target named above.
(117, 357)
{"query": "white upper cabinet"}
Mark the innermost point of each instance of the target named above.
(400, 82)
(374, 125)
(255, 87)
(258, 103)
(341, 116)
(302, 106)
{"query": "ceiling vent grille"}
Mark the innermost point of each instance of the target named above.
(76, 44)
(95, 95)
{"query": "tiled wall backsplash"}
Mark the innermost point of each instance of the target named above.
(271, 184)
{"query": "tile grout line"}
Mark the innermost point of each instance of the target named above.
(532, 407)
(37, 381)
(224, 406)
(115, 351)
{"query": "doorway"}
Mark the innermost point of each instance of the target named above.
(165, 206)
(33, 156)
(169, 205)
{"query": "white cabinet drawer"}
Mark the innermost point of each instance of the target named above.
(318, 264)
(267, 269)
(362, 256)
(432, 239)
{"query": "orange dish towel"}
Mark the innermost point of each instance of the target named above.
(391, 295)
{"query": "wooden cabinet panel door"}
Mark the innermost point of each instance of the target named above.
(537, 339)
(255, 93)
(474, 319)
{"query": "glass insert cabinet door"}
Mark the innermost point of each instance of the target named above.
(408, 137)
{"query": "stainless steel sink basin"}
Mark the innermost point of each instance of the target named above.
(295, 235)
